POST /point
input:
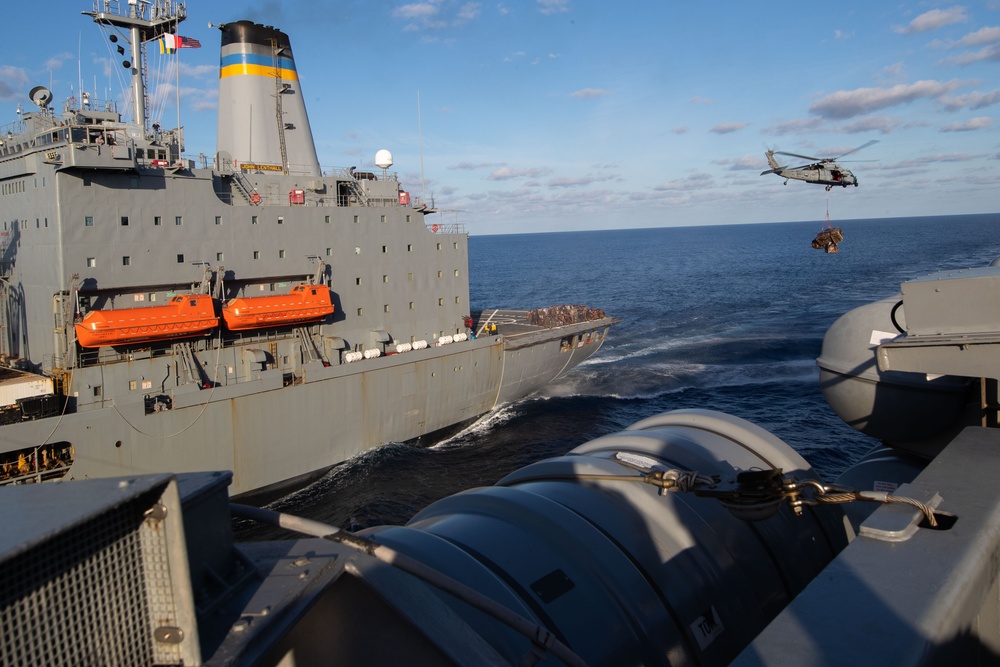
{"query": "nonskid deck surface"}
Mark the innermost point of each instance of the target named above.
(515, 322)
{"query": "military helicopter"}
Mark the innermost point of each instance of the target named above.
(824, 171)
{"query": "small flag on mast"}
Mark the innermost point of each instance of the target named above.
(170, 43)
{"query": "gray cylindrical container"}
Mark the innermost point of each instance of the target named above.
(895, 406)
(620, 573)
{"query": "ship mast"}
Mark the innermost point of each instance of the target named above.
(144, 21)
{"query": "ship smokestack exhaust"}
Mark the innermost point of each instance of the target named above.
(262, 114)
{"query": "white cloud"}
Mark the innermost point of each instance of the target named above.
(882, 124)
(698, 181)
(506, 173)
(973, 100)
(849, 103)
(986, 54)
(986, 35)
(728, 128)
(415, 11)
(553, 6)
(12, 83)
(934, 19)
(589, 93)
(971, 125)
(796, 126)
(571, 182)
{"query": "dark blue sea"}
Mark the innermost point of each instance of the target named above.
(728, 318)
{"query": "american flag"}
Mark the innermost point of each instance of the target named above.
(170, 43)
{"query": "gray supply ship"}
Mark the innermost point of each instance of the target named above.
(245, 312)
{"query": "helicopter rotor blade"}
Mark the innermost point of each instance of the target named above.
(855, 150)
(804, 157)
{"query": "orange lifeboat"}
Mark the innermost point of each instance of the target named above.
(305, 303)
(184, 315)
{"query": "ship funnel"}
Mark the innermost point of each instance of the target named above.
(262, 114)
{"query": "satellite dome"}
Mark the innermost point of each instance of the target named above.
(383, 159)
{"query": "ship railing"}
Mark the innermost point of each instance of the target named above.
(142, 10)
(35, 476)
(446, 228)
(86, 102)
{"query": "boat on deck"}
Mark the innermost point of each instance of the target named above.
(183, 316)
(304, 303)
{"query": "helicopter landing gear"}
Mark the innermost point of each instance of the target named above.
(786, 181)
(828, 188)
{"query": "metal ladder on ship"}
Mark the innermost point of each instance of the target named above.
(245, 187)
(308, 343)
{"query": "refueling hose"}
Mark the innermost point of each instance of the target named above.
(538, 635)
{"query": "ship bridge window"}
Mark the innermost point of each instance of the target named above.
(218, 257)
(180, 259)
(91, 262)
(126, 261)
(218, 219)
(179, 220)
(281, 254)
(139, 154)
(157, 220)
(124, 221)
(88, 221)
(281, 220)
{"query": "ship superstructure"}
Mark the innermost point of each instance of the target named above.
(108, 227)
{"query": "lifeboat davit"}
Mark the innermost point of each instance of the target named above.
(305, 303)
(184, 315)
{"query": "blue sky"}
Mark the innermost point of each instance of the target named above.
(558, 115)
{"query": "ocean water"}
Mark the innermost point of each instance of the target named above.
(728, 318)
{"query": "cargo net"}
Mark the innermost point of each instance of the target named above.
(556, 316)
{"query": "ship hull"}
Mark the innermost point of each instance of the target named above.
(274, 435)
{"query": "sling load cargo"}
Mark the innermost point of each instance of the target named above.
(828, 239)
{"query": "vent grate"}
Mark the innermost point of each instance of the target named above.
(90, 593)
